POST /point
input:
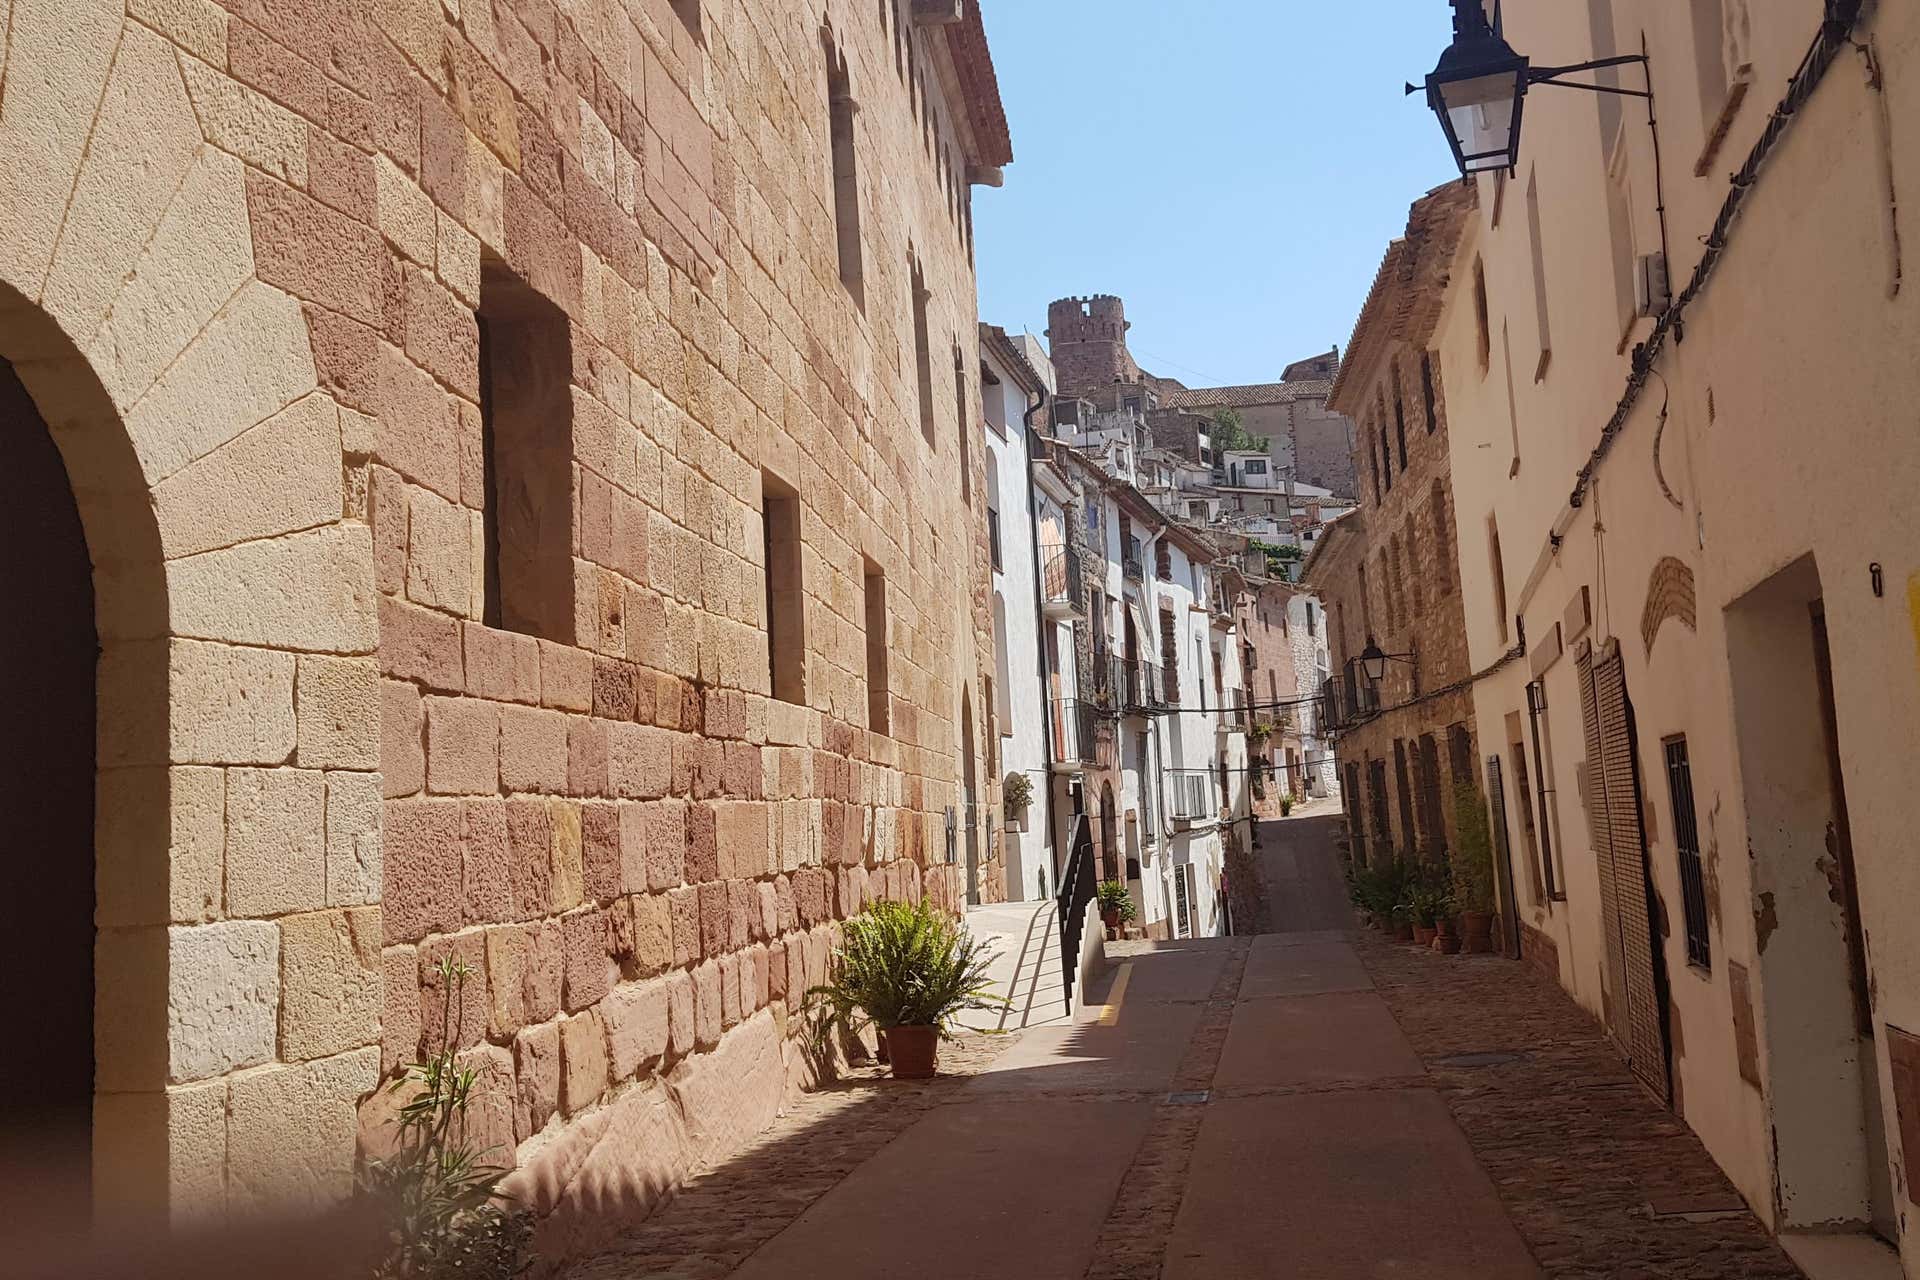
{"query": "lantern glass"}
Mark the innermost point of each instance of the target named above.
(1373, 663)
(1482, 118)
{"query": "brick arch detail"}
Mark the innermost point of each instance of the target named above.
(147, 307)
(1669, 595)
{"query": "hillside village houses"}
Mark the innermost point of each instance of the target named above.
(1686, 606)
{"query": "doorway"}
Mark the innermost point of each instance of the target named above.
(1822, 1057)
(48, 649)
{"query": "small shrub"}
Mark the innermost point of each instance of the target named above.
(903, 965)
(1286, 805)
(437, 1198)
(1016, 792)
(1472, 853)
(1115, 900)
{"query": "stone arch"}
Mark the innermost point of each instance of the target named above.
(210, 474)
(1669, 595)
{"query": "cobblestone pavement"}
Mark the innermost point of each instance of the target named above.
(724, 1214)
(1594, 1172)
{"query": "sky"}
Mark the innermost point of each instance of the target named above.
(1233, 169)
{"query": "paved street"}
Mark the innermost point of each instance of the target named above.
(1293, 1104)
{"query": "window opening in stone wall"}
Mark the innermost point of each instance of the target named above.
(1366, 603)
(1386, 458)
(1498, 568)
(1442, 539)
(841, 109)
(1686, 839)
(965, 421)
(1537, 245)
(526, 456)
(786, 596)
(922, 348)
(1413, 563)
(1404, 794)
(878, 690)
(1484, 332)
(1399, 413)
(1427, 393)
(1373, 460)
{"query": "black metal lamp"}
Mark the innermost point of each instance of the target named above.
(1479, 90)
(1373, 662)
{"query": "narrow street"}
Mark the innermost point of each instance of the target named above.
(1312, 1102)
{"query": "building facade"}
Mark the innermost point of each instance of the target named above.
(533, 502)
(1707, 790)
(1388, 572)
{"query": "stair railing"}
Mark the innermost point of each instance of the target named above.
(1078, 883)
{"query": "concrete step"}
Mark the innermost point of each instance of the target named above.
(1025, 937)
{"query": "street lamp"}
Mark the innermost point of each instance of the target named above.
(1479, 89)
(1373, 663)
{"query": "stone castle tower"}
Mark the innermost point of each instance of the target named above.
(1087, 339)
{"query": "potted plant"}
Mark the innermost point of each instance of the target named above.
(1286, 803)
(1116, 906)
(1016, 793)
(1473, 868)
(907, 969)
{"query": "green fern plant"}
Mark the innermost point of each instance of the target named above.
(1115, 900)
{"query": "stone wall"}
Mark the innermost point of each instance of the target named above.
(244, 249)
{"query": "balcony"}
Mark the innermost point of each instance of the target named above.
(1348, 699)
(1141, 685)
(1232, 718)
(1063, 592)
(1075, 736)
(1134, 570)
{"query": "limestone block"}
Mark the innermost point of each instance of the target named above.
(69, 44)
(683, 904)
(399, 1008)
(354, 813)
(488, 1124)
(639, 761)
(253, 360)
(463, 746)
(275, 841)
(501, 665)
(508, 948)
(275, 478)
(439, 553)
(707, 1005)
(331, 986)
(338, 712)
(458, 260)
(159, 839)
(487, 863)
(583, 1061)
(566, 677)
(566, 885)
(229, 705)
(586, 756)
(733, 1094)
(419, 645)
(652, 933)
(198, 26)
(421, 868)
(530, 841)
(201, 253)
(223, 997)
(665, 851)
(311, 1109)
(250, 125)
(311, 590)
(406, 213)
(589, 969)
(729, 991)
(144, 139)
(403, 743)
(536, 1055)
(637, 1020)
(604, 835)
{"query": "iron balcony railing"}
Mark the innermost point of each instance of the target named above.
(1062, 580)
(1141, 686)
(1134, 570)
(1348, 699)
(1075, 741)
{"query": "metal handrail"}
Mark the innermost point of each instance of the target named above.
(1078, 884)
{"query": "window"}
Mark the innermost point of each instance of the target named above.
(993, 400)
(1480, 314)
(1399, 413)
(1542, 327)
(1366, 603)
(1413, 563)
(1256, 467)
(1499, 571)
(786, 597)
(846, 180)
(1427, 393)
(964, 419)
(526, 459)
(1379, 489)
(1686, 839)
(1386, 458)
(922, 347)
(1442, 538)
(878, 690)
(993, 537)
(1132, 405)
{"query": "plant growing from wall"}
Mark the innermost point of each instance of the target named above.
(437, 1198)
(1472, 853)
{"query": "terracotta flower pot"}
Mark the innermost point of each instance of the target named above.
(914, 1051)
(1402, 931)
(1476, 929)
(1447, 944)
(1423, 934)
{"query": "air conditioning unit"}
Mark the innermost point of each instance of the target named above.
(1653, 293)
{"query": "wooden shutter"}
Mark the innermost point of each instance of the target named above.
(1636, 1012)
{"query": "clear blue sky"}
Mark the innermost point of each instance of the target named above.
(1232, 168)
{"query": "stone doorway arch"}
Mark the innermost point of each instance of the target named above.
(153, 325)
